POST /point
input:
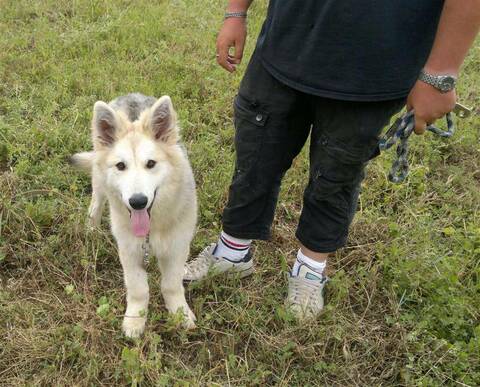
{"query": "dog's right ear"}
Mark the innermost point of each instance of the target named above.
(104, 124)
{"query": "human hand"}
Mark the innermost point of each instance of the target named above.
(429, 104)
(232, 34)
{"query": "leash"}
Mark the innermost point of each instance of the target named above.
(146, 250)
(400, 131)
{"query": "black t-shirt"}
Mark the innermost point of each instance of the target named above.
(363, 50)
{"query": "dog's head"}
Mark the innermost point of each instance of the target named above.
(135, 158)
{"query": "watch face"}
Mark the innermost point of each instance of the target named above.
(447, 83)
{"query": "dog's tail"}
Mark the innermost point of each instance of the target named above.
(83, 161)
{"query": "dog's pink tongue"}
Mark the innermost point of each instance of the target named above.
(140, 222)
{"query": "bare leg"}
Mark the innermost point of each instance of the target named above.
(136, 283)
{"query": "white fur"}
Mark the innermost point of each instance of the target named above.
(170, 189)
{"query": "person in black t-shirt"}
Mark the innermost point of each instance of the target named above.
(336, 70)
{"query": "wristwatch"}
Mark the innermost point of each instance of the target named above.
(444, 83)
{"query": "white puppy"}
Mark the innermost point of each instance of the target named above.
(140, 168)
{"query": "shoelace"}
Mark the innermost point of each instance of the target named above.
(400, 131)
(202, 262)
(302, 290)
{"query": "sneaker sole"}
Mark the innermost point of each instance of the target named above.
(244, 273)
(231, 273)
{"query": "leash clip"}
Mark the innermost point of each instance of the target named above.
(461, 111)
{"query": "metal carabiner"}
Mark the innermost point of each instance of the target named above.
(462, 111)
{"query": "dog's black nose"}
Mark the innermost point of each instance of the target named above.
(138, 201)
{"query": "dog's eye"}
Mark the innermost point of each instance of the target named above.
(120, 166)
(151, 164)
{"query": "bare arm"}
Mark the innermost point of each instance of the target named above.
(457, 29)
(238, 5)
(232, 34)
(459, 25)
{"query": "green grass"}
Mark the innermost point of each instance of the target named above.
(403, 305)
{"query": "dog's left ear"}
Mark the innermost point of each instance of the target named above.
(163, 120)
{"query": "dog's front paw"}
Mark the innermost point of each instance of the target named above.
(133, 327)
(94, 219)
(188, 318)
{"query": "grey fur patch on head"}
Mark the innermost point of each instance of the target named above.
(132, 104)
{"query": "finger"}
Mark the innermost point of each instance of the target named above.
(239, 46)
(232, 60)
(420, 125)
(222, 56)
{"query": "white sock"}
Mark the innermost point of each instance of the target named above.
(316, 266)
(231, 248)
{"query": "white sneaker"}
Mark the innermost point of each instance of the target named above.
(305, 292)
(206, 263)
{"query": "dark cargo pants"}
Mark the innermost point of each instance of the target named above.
(272, 123)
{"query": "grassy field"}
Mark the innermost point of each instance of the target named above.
(404, 301)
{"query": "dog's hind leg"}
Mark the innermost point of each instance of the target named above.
(136, 283)
(97, 203)
(172, 268)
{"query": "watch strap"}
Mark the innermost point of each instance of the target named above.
(429, 78)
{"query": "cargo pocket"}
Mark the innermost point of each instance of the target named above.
(338, 169)
(250, 124)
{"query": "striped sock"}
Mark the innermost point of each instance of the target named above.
(231, 248)
(317, 267)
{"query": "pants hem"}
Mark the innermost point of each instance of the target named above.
(248, 234)
(319, 247)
